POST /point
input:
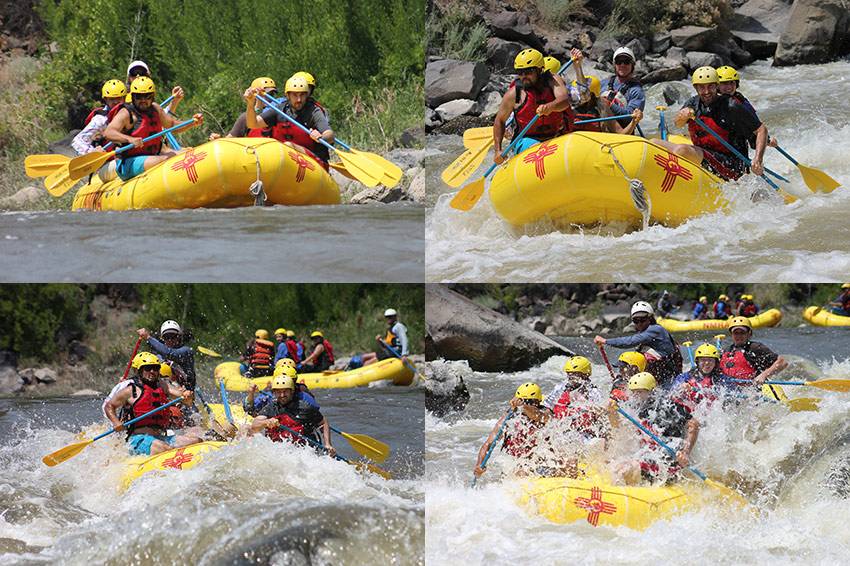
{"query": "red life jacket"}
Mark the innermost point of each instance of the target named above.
(546, 127)
(262, 355)
(99, 111)
(735, 364)
(698, 390)
(749, 309)
(701, 138)
(279, 434)
(292, 348)
(143, 125)
(150, 399)
(521, 438)
(259, 133)
(329, 350)
(588, 111)
(583, 421)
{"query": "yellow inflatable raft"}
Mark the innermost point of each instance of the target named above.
(236, 411)
(391, 369)
(217, 174)
(176, 459)
(820, 316)
(575, 179)
(770, 317)
(596, 501)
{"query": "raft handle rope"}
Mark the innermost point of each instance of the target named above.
(639, 194)
(256, 188)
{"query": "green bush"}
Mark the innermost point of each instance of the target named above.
(558, 13)
(456, 33)
(642, 18)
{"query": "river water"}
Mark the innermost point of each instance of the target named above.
(252, 502)
(303, 244)
(765, 241)
(779, 459)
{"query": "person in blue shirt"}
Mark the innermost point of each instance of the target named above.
(664, 360)
(395, 338)
(170, 348)
(701, 308)
(257, 399)
(841, 304)
(721, 308)
(623, 91)
(281, 351)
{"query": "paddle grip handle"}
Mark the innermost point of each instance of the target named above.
(291, 120)
(130, 146)
(226, 402)
(137, 419)
(728, 146)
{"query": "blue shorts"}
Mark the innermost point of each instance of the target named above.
(524, 144)
(141, 443)
(129, 167)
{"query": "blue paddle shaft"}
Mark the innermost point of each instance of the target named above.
(770, 382)
(137, 419)
(606, 119)
(226, 403)
(728, 146)
(691, 355)
(130, 146)
(785, 153)
(508, 417)
(392, 351)
(268, 102)
(312, 442)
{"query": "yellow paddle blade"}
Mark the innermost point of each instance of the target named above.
(374, 469)
(44, 164)
(392, 173)
(65, 453)
(468, 197)
(368, 446)
(59, 182)
(840, 385)
(340, 168)
(473, 137)
(465, 165)
(817, 180)
(87, 164)
(802, 404)
(727, 492)
(362, 168)
(208, 352)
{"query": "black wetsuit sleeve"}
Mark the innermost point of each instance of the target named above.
(741, 120)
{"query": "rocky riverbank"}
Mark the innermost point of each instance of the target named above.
(461, 94)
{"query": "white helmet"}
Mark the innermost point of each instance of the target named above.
(644, 307)
(169, 326)
(390, 312)
(623, 51)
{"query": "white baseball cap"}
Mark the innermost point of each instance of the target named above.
(623, 51)
(138, 64)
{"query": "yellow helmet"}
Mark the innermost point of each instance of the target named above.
(643, 380)
(290, 334)
(289, 362)
(846, 286)
(317, 334)
(311, 80)
(262, 334)
(529, 391)
(726, 74)
(285, 370)
(593, 85)
(283, 382)
(280, 331)
(113, 89)
(165, 370)
(142, 85)
(704, 76)
(528, 59)
(737, 321)
(552, 65)
(707, 351)
(263, 82)
(722, 297)
(296, 84)
(703, 298)
(578, 364)
(145, 359)
(634, 359)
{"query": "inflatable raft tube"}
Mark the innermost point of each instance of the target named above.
(217, 174)
(770, 317)
(819, 316)
(176, 459)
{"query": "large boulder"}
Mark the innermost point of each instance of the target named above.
(445, 390)
(10, 382)
(458, 107)
(818, 31)
(671, 71)
(513, 26)
(459, 329)
(448, 79)
(697, 59)
(694, 38)
(501, 54)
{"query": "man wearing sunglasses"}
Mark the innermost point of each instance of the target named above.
(624, 92)
(664, 360)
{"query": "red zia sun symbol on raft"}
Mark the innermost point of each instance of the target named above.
(595, 505)
(538, 156)
(303, 165)
(188, 163)
(177, 461)
(674, 169)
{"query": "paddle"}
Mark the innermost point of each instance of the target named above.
(468, 197)
(475, 136)
(815, 179)
(72, 450)
(687, 345)
(840, 385)
(662, 125)
(360, 166)
(606, 119)
(133, 355)
(359, 465)
(468, 162)
(43, 165)
(209, 421)
(90, 162)
(392, 172)
(737, 153)
(508, 416)
(718, 341)
(225, 402)
(726, 491)
(607, 363)
(366, 445)
(392, 351)
(208, 352)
